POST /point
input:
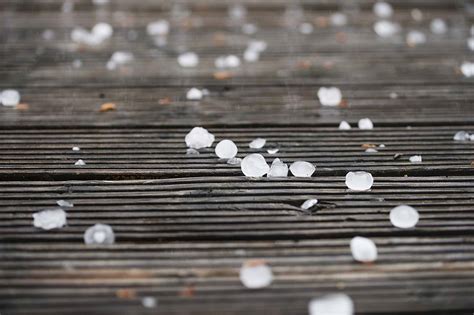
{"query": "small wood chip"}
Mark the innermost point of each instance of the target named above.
(368, 145)
(222, 75)
(164, 101)
(188, 291)
(107, 107)
(126, 294)
(22, 107)
(397, 156)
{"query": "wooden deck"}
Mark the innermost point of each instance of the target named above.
(184, 224)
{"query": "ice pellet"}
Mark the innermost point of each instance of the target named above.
(338, 19)
(49, 219)
(100, 2)
(237, 12)
(363, 249)
(309, 204)
(188, 60)
(386, 29)
(199, 138)
(254, 165)
(467, 68)
(230, 61)
(371, 150)
(99, 234)
(194, 94)
(329, 96)
(234, 161)
(331, 304)
(359, 181)
(249, 28)
(404, 217)
(76, 149)
(417, 15)
(158, 28)
(64, 203)
(192, 152)
(257, 143)
(273, 150)
(122, 57)
(415, 159)
(302, 169)
(415, 38)
(251, 55)
(102, 30)
(255, 274)
(278, 169)
(344, 125)
(461, 136)
(365, 123)
(383, 9)
(438, 26)
(226, 149)
(470, 43)
(48, 35)
(149, 302)
(306, 28)
(257, 45)
(10, 97)
(80, 163)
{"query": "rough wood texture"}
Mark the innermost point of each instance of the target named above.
(184, 224)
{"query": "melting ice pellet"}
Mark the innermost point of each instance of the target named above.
(331, 304)
(99, 234)
(344, 125)
(329, 96)
(309, 204)
(255, 274)
(80, 163)
(64, 203)
(194, 94)
(49, 219)
(383, 9)
(278, 169)
(415, 159)
(199, 138)
(359, 181)
(302, 169)
(386, 29)
(254, 165)
(365, 124)
(158, 28)
(404, 217)
(149, 302)
(188, 60)
(234, 161)
(438, 26)
(226, 149)
(363, 249)
(257, 143)
(10, 98)
(461, 136)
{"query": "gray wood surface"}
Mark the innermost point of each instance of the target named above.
(184, 224)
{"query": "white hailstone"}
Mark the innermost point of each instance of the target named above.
(467, 68)
(149, 302)
(226, 149)
(188, 60)
(199, 138)
(80, 163)
(237, 12)
(102, 30)
(365, 123)
(192, 152)
(100, 2)
(158, 28)
(393, 95)
(49, 219)
(470, 43)
(306, 28)
(386, 29)
(251, 55)
(230, 61)
(404, 217)
(194, 94)
(77, 63)
(438, 26)
(278, 169)
(68, 6)
(332, 304)
(359, 181)
(329, 96)
(344, 125)
(383, 9)
(76, 149)
(257, 45)
(48, 34)
(99, 234)
(249, 28)
(302, 169)
(415, 38)
(461, 136)
(363, 249)
(10, 97)
(338, 19)
(309, 204)
(273, 150)
(255, 274)
(381, 145)
(371, 150)
(415, 159)
(254, 165)
(79, 34)
(122, 57)
(417, 15)
(471, 137)
(64, 203)
(234, 161)
(257, 143)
